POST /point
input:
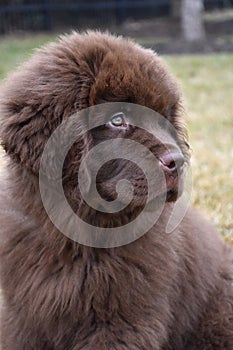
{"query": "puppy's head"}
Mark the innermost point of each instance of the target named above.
(84, 70)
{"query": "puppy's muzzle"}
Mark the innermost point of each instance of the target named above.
(172, 164)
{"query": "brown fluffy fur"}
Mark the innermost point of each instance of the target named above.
(167, 292)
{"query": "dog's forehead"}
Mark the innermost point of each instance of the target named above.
(142, 81)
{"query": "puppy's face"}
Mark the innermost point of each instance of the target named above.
(162, 154)
(95, 69)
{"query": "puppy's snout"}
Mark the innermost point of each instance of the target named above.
(171, 162)
(172, 165)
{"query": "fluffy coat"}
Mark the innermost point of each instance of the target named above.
(161, 292)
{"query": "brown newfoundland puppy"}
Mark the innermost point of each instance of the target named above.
(167, 292)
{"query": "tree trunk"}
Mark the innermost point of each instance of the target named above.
(191, 18)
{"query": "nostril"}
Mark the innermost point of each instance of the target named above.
(172, 161)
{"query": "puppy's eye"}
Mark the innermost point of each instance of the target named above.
(118, 119)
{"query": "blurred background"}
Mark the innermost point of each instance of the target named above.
(195, 37)
(156, 23)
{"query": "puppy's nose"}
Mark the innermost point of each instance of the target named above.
(171, 162)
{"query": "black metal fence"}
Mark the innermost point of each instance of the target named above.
(38, 15)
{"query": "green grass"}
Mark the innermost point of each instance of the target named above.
(207, 85)
(218, 15)
(13, 51)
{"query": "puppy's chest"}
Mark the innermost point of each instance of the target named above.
(105, 287)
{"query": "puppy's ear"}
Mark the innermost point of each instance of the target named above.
(24, 128)
(49, 88)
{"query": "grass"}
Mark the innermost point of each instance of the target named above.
(13, 51)
(207, 85)
(218, 15)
